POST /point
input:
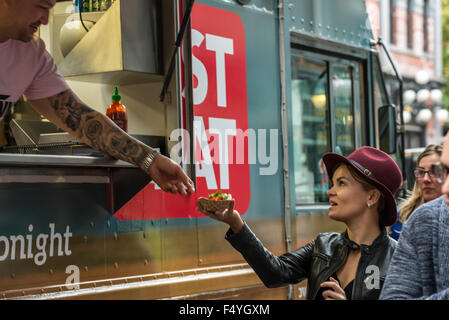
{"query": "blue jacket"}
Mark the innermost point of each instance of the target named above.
(419, 268)
(396, 229)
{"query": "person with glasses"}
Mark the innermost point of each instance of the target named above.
(419, 268)
(426, 187)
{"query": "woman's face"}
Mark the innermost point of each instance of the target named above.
(347, 197)
(430, 188)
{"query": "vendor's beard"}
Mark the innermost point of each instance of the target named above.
(26, 35)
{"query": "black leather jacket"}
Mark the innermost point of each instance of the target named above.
(317, 261)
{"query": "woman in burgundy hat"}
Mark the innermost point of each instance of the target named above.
(350, 265)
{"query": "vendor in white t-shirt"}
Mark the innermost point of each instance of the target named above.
(27, 68)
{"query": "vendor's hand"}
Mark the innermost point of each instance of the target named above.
(335, 292)
(169, 176)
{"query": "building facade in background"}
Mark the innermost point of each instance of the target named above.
(411, 30)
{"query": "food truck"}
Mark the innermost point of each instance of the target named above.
(247, 103)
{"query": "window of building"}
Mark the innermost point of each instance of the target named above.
(425, 26)
(392, 22)
(409, 24)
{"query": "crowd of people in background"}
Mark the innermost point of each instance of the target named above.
(384, 253)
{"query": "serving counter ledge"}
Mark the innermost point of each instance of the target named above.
(12, 160)
(123, 179)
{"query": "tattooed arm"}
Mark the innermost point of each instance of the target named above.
(69, 113)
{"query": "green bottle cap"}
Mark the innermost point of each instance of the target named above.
(116, 96)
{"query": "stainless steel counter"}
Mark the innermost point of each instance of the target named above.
(32, 168)
(13, 160)
(124, 179)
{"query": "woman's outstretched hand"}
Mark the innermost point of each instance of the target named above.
(228, 216)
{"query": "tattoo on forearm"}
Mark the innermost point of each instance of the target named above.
(68, 109)
(96, 130)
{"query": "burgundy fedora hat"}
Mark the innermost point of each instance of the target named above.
(378, 168)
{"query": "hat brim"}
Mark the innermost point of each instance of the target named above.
(389, 215)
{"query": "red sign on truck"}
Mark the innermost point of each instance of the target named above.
(220, 120)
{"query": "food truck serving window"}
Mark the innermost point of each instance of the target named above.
(324, 99)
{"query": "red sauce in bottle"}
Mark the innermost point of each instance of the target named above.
(117, 111)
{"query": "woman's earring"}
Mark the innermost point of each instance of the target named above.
(369, 205)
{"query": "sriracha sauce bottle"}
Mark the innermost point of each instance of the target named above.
(117, 111)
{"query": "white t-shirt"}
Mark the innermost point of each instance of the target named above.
(27, 68)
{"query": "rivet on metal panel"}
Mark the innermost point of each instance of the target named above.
(116, 265)
(302, 20)
(311, 22)
(291, 6)
(86, 268)
(51, 271)
(336, 29)
(145, 262)
(293, 18)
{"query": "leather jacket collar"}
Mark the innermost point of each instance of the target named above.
(381, 238)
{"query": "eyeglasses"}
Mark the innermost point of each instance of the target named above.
(440, 171)
(421, 173)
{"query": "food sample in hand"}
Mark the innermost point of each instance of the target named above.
(217, 201)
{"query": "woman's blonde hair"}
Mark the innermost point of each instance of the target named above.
(416, 199)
